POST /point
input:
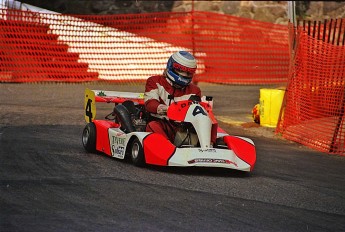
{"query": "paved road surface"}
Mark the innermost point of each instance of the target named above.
(49, 183)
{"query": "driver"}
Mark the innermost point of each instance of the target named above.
(176, 81)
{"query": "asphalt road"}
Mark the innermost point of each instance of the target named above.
(49, 183)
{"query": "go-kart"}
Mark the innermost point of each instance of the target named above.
(121, 134)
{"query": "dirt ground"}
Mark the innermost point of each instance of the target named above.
(32, 103)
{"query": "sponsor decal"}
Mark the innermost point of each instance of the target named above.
(118, 141)
(183, 68)
(209, 160)
(119, 133)
(207, 150)
(197, 110)
(118, 146)
(119, 151)
(101, 94)
(183, 105)
(185, 80)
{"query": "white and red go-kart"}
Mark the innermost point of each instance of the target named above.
(122, 134)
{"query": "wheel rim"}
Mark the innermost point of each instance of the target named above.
(86, 136)
(135, 150)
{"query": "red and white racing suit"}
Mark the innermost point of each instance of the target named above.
(157, 90)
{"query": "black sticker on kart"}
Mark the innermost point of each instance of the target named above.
(88, 111)
(183, 105)
(198, 110)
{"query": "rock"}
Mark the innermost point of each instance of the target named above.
(267, 11)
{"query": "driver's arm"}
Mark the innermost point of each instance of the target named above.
(153, 103)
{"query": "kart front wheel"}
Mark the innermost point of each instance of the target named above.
(89, 137)
(137, 153)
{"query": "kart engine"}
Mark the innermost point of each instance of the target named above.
(186, 137)
(139, 123)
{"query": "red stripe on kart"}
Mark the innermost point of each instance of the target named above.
(243, 149)
(118, 99)
(102, 139)
(157, 149)
(220, 130)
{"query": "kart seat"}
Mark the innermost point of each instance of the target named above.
(123, 116)
(131, 117)
(130, 107)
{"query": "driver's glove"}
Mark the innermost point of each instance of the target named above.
(162, 109)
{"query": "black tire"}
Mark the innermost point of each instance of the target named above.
(89, 137)
(137, 153)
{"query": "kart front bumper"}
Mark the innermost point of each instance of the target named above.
(212, 157)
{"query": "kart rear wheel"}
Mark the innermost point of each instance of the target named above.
(89, 137)
(137, 153)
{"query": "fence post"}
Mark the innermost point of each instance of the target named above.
(292, 12)
(333, 146)
(193, 32)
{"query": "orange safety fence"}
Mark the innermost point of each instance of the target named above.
(313, 113)
(37, 47)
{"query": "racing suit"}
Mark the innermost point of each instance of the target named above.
(157, 90)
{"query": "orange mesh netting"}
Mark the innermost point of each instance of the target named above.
(29, 52)
(132, 47)
(315, 99)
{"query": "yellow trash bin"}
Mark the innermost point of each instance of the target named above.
(270, 105)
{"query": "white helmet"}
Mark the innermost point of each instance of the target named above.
(181, 68)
